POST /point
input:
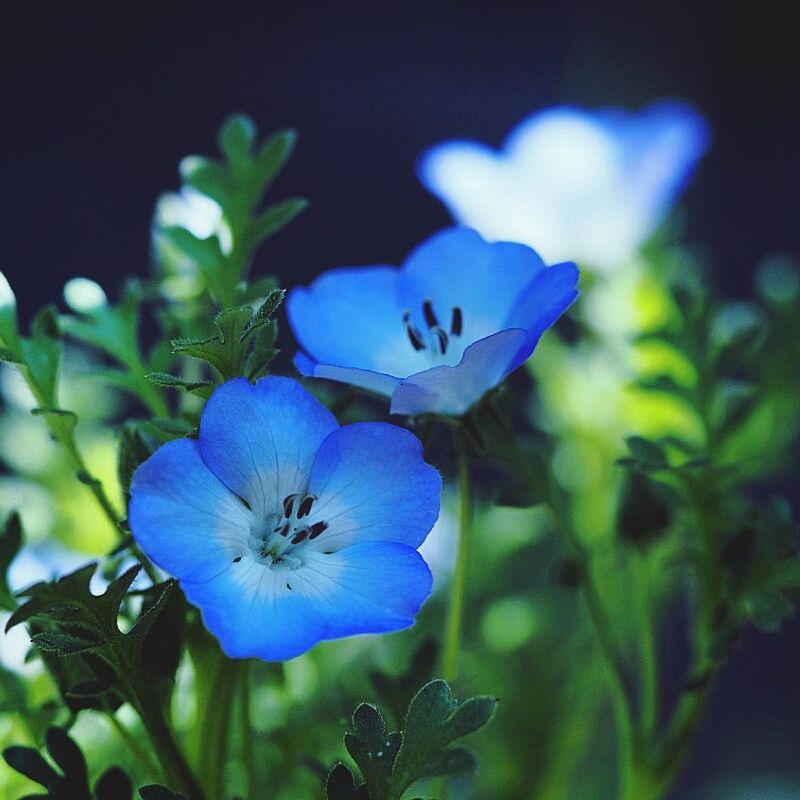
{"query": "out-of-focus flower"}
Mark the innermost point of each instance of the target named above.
(591, 187)
(438, 333)
(285, 529)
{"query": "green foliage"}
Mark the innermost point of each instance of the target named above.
(10, 543)
(72, 781)
(114, 330)
(390, 762)
(237, 183)
(762, 563)
(243, 344)
(75, 622)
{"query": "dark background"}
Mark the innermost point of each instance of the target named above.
(99, 103)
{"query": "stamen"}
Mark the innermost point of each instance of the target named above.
(237, 559)
(288, 504)
(283, 530)
(317, 528)
(299, 536)
(413, 334)
(305, 506)
(457, 322)
(442, 338)
(430, 317)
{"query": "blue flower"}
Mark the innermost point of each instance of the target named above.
(285, 529)
(590, 187)
(438, 333)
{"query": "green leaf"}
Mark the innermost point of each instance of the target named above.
(273, 155)
(10, 543)
(29, 762)
(236, 138)
(64, 644)
(139, 439)
(41, 355)
(373, 750)
(228, 351)
(176, 382)
(156, 792)
(113, 784)
(434, 720)
(767, 610)
(275, 218)
(645, 509)
(209, 177)
(340, 785)
(649, 454)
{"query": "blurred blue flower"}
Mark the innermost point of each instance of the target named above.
(285, 529)
(436, 334)
(590, 187)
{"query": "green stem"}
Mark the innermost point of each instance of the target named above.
(169, 754)
(455, 611)
(66, 437)
(645, 618)
(140, 753)
(248, 744)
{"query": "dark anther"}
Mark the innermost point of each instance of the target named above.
(430, 316)
(317, 528)
(457, 322)
(288, 504)
(244, 503)
(289, 587)
(413, 333)
(237, 559)
(283, 530)
(299, 536)
(305, 506)
(443, 339)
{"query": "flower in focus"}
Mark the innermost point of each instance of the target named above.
(438, 333)
(591, 187)
(285, 529)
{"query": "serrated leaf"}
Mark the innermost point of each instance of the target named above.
(41, 354)
(434, 720)
(63, 644)
(176, 382)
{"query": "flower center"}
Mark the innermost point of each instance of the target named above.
(435, 339)
(277, 539)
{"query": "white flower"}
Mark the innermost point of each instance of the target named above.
(590, 187)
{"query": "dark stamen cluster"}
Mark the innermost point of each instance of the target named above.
(432, 321)
(303, 510)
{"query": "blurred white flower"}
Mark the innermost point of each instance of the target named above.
(194, 211)
(590, 187)
(84, 295)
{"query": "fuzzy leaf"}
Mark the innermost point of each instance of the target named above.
(113, 784)
(340, 785)
(649, 454)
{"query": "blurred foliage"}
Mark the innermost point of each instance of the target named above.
(622, 475)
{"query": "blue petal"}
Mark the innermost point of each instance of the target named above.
(183, 517)
(277, 614)
(372, 484)
(376, 382)
(260, 440)
(352, 317)
(370, 587)
(545, 299)
(254, 613)
(454, 390)
(456, 267)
